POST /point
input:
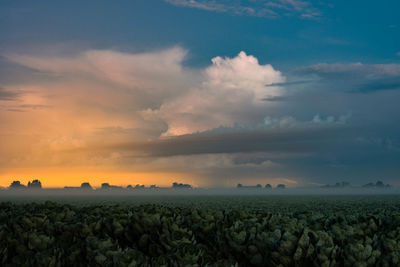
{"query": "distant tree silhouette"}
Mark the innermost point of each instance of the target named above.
(378, 184)
(369, 185)
(129, 187)
(180, 185)
(105, 186)
(240, 186)
(16, 185)
(138, 186)
(337, 185)
(35, 184)
(86, 186)
(268, 186)
(345, 184)
(153, 186)
(281, 186)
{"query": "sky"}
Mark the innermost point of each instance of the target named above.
(211, 93)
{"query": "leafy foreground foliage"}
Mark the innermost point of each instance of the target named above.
(215, 233)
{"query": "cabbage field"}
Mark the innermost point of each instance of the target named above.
(201, 231)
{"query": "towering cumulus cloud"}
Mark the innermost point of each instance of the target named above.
(231, 92)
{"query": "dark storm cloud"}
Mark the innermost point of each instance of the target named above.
(357, 155)
(252, 160)
(252, 141)
(245, 141)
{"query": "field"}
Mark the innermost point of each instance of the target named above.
(200, 230)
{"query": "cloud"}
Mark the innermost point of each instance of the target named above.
(7, 95)
(355, 77)
(290, 122)
(243, 72)
(87, 96)
(274, 135)
(232, 91)
(291, 83)
(276, 98)
(380, 85)
(367, 70)
(268, 9)
(150, 73)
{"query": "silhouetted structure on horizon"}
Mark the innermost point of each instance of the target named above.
(268, 186)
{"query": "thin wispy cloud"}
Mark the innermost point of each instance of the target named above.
(266, 8)
(291, 83)
(356, 77)
(7, 95)
(354, 69)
